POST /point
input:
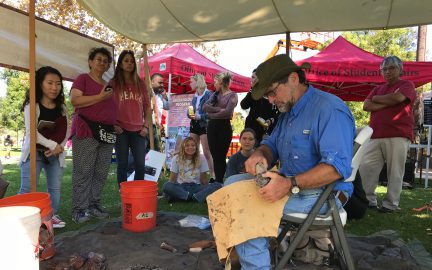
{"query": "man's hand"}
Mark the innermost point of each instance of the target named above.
(253, 160)
(118, 129)
(277, 188)
(144, 131)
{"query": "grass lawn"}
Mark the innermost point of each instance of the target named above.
(408, 223)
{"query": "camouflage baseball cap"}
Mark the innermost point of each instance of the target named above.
(273, 70)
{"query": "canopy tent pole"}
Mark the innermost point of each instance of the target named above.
(169, 84)
(421, 43)
(148, 113)
(288, 43)
(32, 72)
(169, 95)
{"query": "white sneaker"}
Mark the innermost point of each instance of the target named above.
(57, 222)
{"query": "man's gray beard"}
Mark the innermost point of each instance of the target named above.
(286, 107)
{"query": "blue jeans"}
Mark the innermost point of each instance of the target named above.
(53, 173)
(181, 191)
(254, 253)
(137, 145)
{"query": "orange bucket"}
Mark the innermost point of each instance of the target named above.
(43, 202)
(139, 204)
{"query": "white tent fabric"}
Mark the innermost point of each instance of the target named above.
(164, 21)
(55, 46)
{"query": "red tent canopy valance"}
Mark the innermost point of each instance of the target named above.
(182, 61)
(351, 73)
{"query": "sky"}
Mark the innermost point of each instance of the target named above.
(244, 55)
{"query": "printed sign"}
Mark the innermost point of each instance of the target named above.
(178, 124)
(153, 166)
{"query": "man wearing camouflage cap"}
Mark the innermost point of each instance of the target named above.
(313, 141)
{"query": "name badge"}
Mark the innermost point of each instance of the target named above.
(306, 131)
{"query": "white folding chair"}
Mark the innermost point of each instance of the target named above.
(335, 218)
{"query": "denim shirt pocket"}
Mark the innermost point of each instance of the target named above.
(300, 150)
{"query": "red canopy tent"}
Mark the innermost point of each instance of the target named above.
(351, 73)
(180, 61)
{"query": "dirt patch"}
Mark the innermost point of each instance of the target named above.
(125, 250)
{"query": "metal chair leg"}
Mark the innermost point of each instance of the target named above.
(342, 239)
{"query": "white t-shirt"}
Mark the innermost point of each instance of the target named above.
(161, 105)
(189, 175)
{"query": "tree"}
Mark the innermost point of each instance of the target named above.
(17, 84)
(361, 117)
(400, 42)
(238, 122)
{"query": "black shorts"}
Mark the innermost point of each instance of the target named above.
(198, 128)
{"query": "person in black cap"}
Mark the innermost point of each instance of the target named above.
(262, 117)
(313, 142)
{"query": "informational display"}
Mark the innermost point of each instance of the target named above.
(178, 124)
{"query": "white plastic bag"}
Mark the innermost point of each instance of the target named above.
(195, 221)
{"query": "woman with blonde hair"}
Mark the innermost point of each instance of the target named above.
(220, 109)
(188, 179)
(199, 119)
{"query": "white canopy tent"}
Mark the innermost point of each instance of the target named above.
(164, 21)
(56, 46)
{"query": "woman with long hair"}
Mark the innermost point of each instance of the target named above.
(188, 179)
(220, 109)
(95, 107)
(199, 119)
(236, 162)
(133, 106)
(51, 136)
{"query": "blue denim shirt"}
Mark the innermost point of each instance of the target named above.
(319, 129)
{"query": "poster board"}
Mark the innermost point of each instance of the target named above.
(153, 166)
(178, 124)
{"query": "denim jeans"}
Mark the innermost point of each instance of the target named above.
(181, 191)
(53, 173)
(137, 145)
(254, 253)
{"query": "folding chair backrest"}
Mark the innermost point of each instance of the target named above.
(360, 142)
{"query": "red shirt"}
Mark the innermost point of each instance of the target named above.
(132, 106)
(104, 111)
(397, 120)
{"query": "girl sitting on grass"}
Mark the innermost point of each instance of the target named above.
(188, 179)
(236, 162)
